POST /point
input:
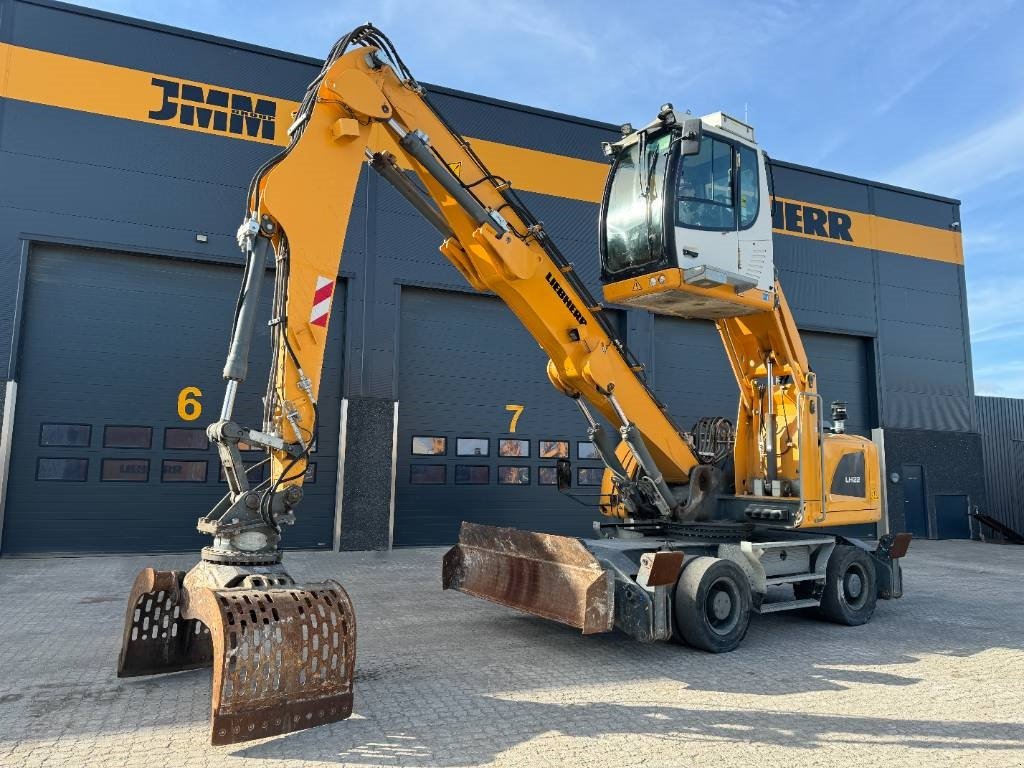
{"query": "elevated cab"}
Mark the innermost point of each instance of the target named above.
(686, 222)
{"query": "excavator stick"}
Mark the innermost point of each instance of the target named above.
(554, 577)
(283, 655)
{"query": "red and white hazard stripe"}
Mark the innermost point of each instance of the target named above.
(322, 301)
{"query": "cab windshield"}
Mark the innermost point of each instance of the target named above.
(634, 217)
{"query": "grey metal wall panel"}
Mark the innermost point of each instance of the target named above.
(916, 209)
(923, 274)
(111, 339)
(845, 308)
(87, 142)
(1001, 423)
(908, 409)
(929, 342)
(803, 184)
(835, 264)
(132, 198)
(915, 375)
(911, 305)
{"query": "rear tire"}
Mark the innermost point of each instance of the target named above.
(850, 587)
(712, 604)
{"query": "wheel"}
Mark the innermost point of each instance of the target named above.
(850, 587)
(712, 604)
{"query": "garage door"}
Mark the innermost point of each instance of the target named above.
(692, 375)
(464, 360)
(103, 460)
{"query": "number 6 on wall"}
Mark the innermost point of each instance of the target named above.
(517, 411)
(189, 407)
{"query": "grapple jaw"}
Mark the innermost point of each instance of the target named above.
(283, 655)
(554, 577)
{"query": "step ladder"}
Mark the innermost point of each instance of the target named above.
(766, 563)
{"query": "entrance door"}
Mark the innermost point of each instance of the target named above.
(951, 521)
(914, 511)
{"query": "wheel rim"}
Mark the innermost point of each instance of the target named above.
(722, 606)
(853, 587)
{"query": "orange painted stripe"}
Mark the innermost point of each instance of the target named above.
(889, 235)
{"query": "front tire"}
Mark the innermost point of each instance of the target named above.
(851, 589)
(712, 604)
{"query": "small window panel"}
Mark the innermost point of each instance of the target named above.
(65, 435)
(253, 471)
(513, 475)
(127, 437)
(183, 439)
(589, 475)
(472, 474)
(125, 470)
(514, 448)
(472, 446)
(547, 476)
(177, 471)
(310, 474)
(423, 445)
(554, 449)
(427, 474)
(244, 446)
(62, 470)
(586, 450)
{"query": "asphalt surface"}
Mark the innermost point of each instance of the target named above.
(935, 679)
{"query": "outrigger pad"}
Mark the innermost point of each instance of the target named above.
(283, 655)
(554, 577)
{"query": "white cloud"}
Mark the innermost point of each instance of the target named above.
(968, 157)
(1000, 380)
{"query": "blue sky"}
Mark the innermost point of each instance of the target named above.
(928, 95)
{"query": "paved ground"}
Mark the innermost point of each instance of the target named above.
(444, 680)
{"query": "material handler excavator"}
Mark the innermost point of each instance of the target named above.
(702, 524)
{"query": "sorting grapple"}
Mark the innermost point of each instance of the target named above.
(282, 654)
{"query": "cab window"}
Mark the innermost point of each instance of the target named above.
(749, 188)
(705, 190)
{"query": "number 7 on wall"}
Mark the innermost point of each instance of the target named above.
(517, 411)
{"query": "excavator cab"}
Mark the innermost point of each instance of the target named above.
(686, 219)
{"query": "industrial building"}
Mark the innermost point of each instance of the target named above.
(125, 150)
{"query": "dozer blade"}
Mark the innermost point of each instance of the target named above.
(554, 577)
(283, 655)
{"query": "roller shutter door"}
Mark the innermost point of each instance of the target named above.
(108, 343)
(692, 375)
(463, 358)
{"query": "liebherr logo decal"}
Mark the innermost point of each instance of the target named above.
(804, 219)
(569, 304)
(216, 110)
